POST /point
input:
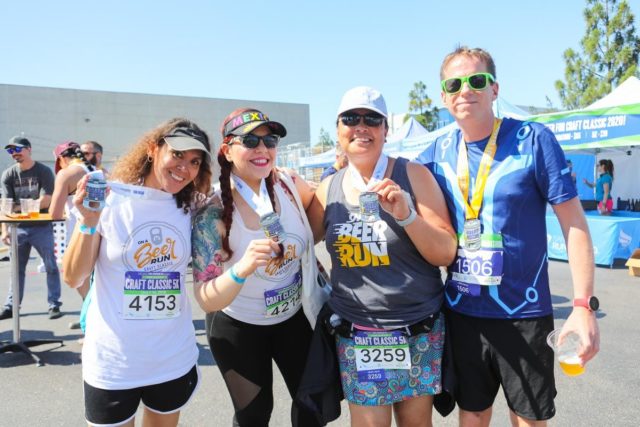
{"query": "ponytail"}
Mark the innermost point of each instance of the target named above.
(227, 201)
(77, 154)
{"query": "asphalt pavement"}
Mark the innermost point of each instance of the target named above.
(51, 395)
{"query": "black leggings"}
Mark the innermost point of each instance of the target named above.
(244, 354)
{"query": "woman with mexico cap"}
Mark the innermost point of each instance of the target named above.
(247, 248)
(387, 229)
(141, 345)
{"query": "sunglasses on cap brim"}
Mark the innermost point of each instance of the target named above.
(252, 141)
(478, 81)
(354, 119)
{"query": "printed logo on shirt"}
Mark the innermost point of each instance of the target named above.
(155, 246)
(27, 187)
(282, 267)
(361, 244)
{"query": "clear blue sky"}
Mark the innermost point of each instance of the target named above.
(287, 51)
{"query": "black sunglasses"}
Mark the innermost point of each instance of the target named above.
(370, 119)
(478, 81)
(14, 150)
(252, 141)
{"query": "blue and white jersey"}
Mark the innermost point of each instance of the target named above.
(529, 170)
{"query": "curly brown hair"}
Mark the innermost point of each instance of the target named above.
(135, 166)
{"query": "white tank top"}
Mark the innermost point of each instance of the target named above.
(139, 324)
(257, 302)
(70, 222)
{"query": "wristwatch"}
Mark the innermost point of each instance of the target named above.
(412, 211)
(590, 303)
(408, 220)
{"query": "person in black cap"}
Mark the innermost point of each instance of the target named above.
(28, 179)
(249, 247)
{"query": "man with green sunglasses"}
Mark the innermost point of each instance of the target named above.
(477, 81)
(498, 176)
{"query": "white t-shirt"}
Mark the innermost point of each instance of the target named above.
(139, 324)
(259, 294)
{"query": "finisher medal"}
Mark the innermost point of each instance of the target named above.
(472, 234)
(270, 223)
(261, 205)
(369, 206)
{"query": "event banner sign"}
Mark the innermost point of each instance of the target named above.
(614, 237)
(589, 129)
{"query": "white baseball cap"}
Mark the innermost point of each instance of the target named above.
(363, 97)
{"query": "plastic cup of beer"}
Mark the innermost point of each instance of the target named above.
(6, 206)
(34, 208)
(566, 352)
(24, 207)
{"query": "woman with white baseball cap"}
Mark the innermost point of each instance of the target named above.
(387, 229)
(140, 341)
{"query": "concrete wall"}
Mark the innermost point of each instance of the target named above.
(49, 116)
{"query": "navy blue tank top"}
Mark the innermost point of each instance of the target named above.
(379, 278)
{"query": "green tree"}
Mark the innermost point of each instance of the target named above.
(420, 106)
(324, 141)
(610, 50)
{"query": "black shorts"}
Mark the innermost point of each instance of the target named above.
(116, 407)
(513, 353)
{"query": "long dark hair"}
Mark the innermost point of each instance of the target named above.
(607, 164)
(226, 194)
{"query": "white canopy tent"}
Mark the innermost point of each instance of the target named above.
(627, 93)
(626, 161)
(607, 129)
(322, 160)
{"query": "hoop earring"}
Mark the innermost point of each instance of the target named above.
(149, 159)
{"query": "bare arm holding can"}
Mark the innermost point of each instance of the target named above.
(82, 252)
(215, 288)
